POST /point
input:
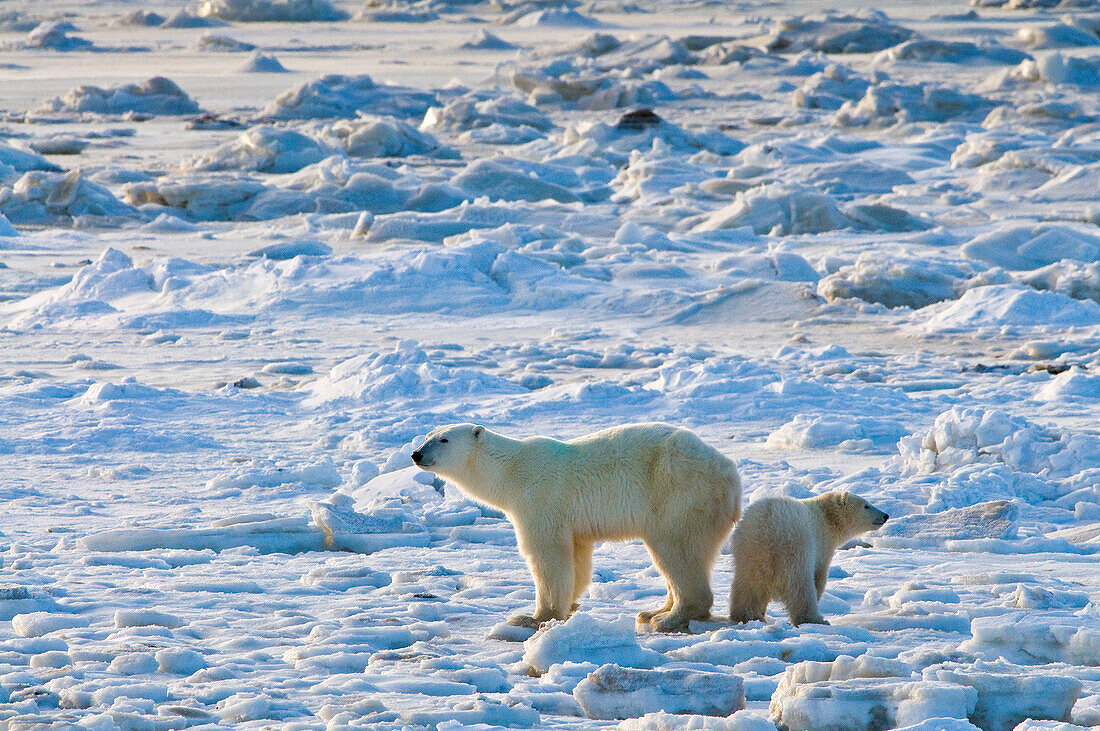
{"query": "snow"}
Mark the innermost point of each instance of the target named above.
(154, 96)
(852, 249)
(615, 692)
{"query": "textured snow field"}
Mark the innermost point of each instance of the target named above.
(252, 250)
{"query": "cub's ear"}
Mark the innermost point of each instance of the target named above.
(478, 431)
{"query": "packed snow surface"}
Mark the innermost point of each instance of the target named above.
(252, 251)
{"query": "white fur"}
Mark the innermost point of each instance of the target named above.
(650, 481)
(782, 549)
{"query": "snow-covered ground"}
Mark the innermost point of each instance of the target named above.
(252, 250)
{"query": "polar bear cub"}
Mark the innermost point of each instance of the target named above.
(782, 549)
(655, 482)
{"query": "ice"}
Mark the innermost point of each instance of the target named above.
(1008, 694)
(852, 250)
(616, 692)
(888, 103)
(1037, 637)
(837, 33)
(582, 638)
(995, 519)
(554, 18)
(153, 96)
(562, 84)
(336, 95)
(661, 721)
(1031, 247)
(259, 11)
(262, 63)
(38, 624)
(54, 35)
(1012, 305)
(864, 693)
(779, 209)
(849, 433)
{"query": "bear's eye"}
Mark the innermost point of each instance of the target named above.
(866, 507)
(442, 441)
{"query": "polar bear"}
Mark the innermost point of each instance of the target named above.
(650, 481)
(782, 549)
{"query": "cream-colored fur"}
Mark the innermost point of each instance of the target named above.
(655, 482)
(782, 549)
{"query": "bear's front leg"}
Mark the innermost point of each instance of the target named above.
(549, 556)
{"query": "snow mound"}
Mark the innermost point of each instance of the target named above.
(223, 43)
(1033, 246)
(483, 40)
(996, 519)
(661, 721)
(964, 437)
(835, 33)
(1037, 637)
(185, 19)
(336, 95)
(277, 150)
(404, 373)
(14, 161)
(263, 149)
(1053, 68)
(888, 103)
(368, 136)
(847, 433)
(37, 624)
(863, 694)
(643, 131)
(554, 18)
(265, 533)
(1073, 385)
(507, 178)
(1012, 305)
(614, 692)
(956, 52)
(562, 84)
(155, 96)
(1073, 279)
(263, 11)
(41, 197)
(55, 36)
(780, 210)
(471, 113)
(897, 281)
(260, 63)
(1069, 32)
(583, 638)
(349, 530)
(830, 88)
(1009, 694)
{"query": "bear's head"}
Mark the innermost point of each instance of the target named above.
(863, 515)
(849, 515)
(447, 449)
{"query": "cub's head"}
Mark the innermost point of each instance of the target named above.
(849, 515)
(447, 448)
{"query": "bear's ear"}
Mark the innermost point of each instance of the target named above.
(478, 431)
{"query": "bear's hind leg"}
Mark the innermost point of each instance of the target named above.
(748, 598)
(800, 598)
(644, 617)
(686, 566)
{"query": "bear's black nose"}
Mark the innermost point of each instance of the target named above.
(885, 517)
(417, 456)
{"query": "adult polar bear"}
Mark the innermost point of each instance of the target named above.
(650, 481)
